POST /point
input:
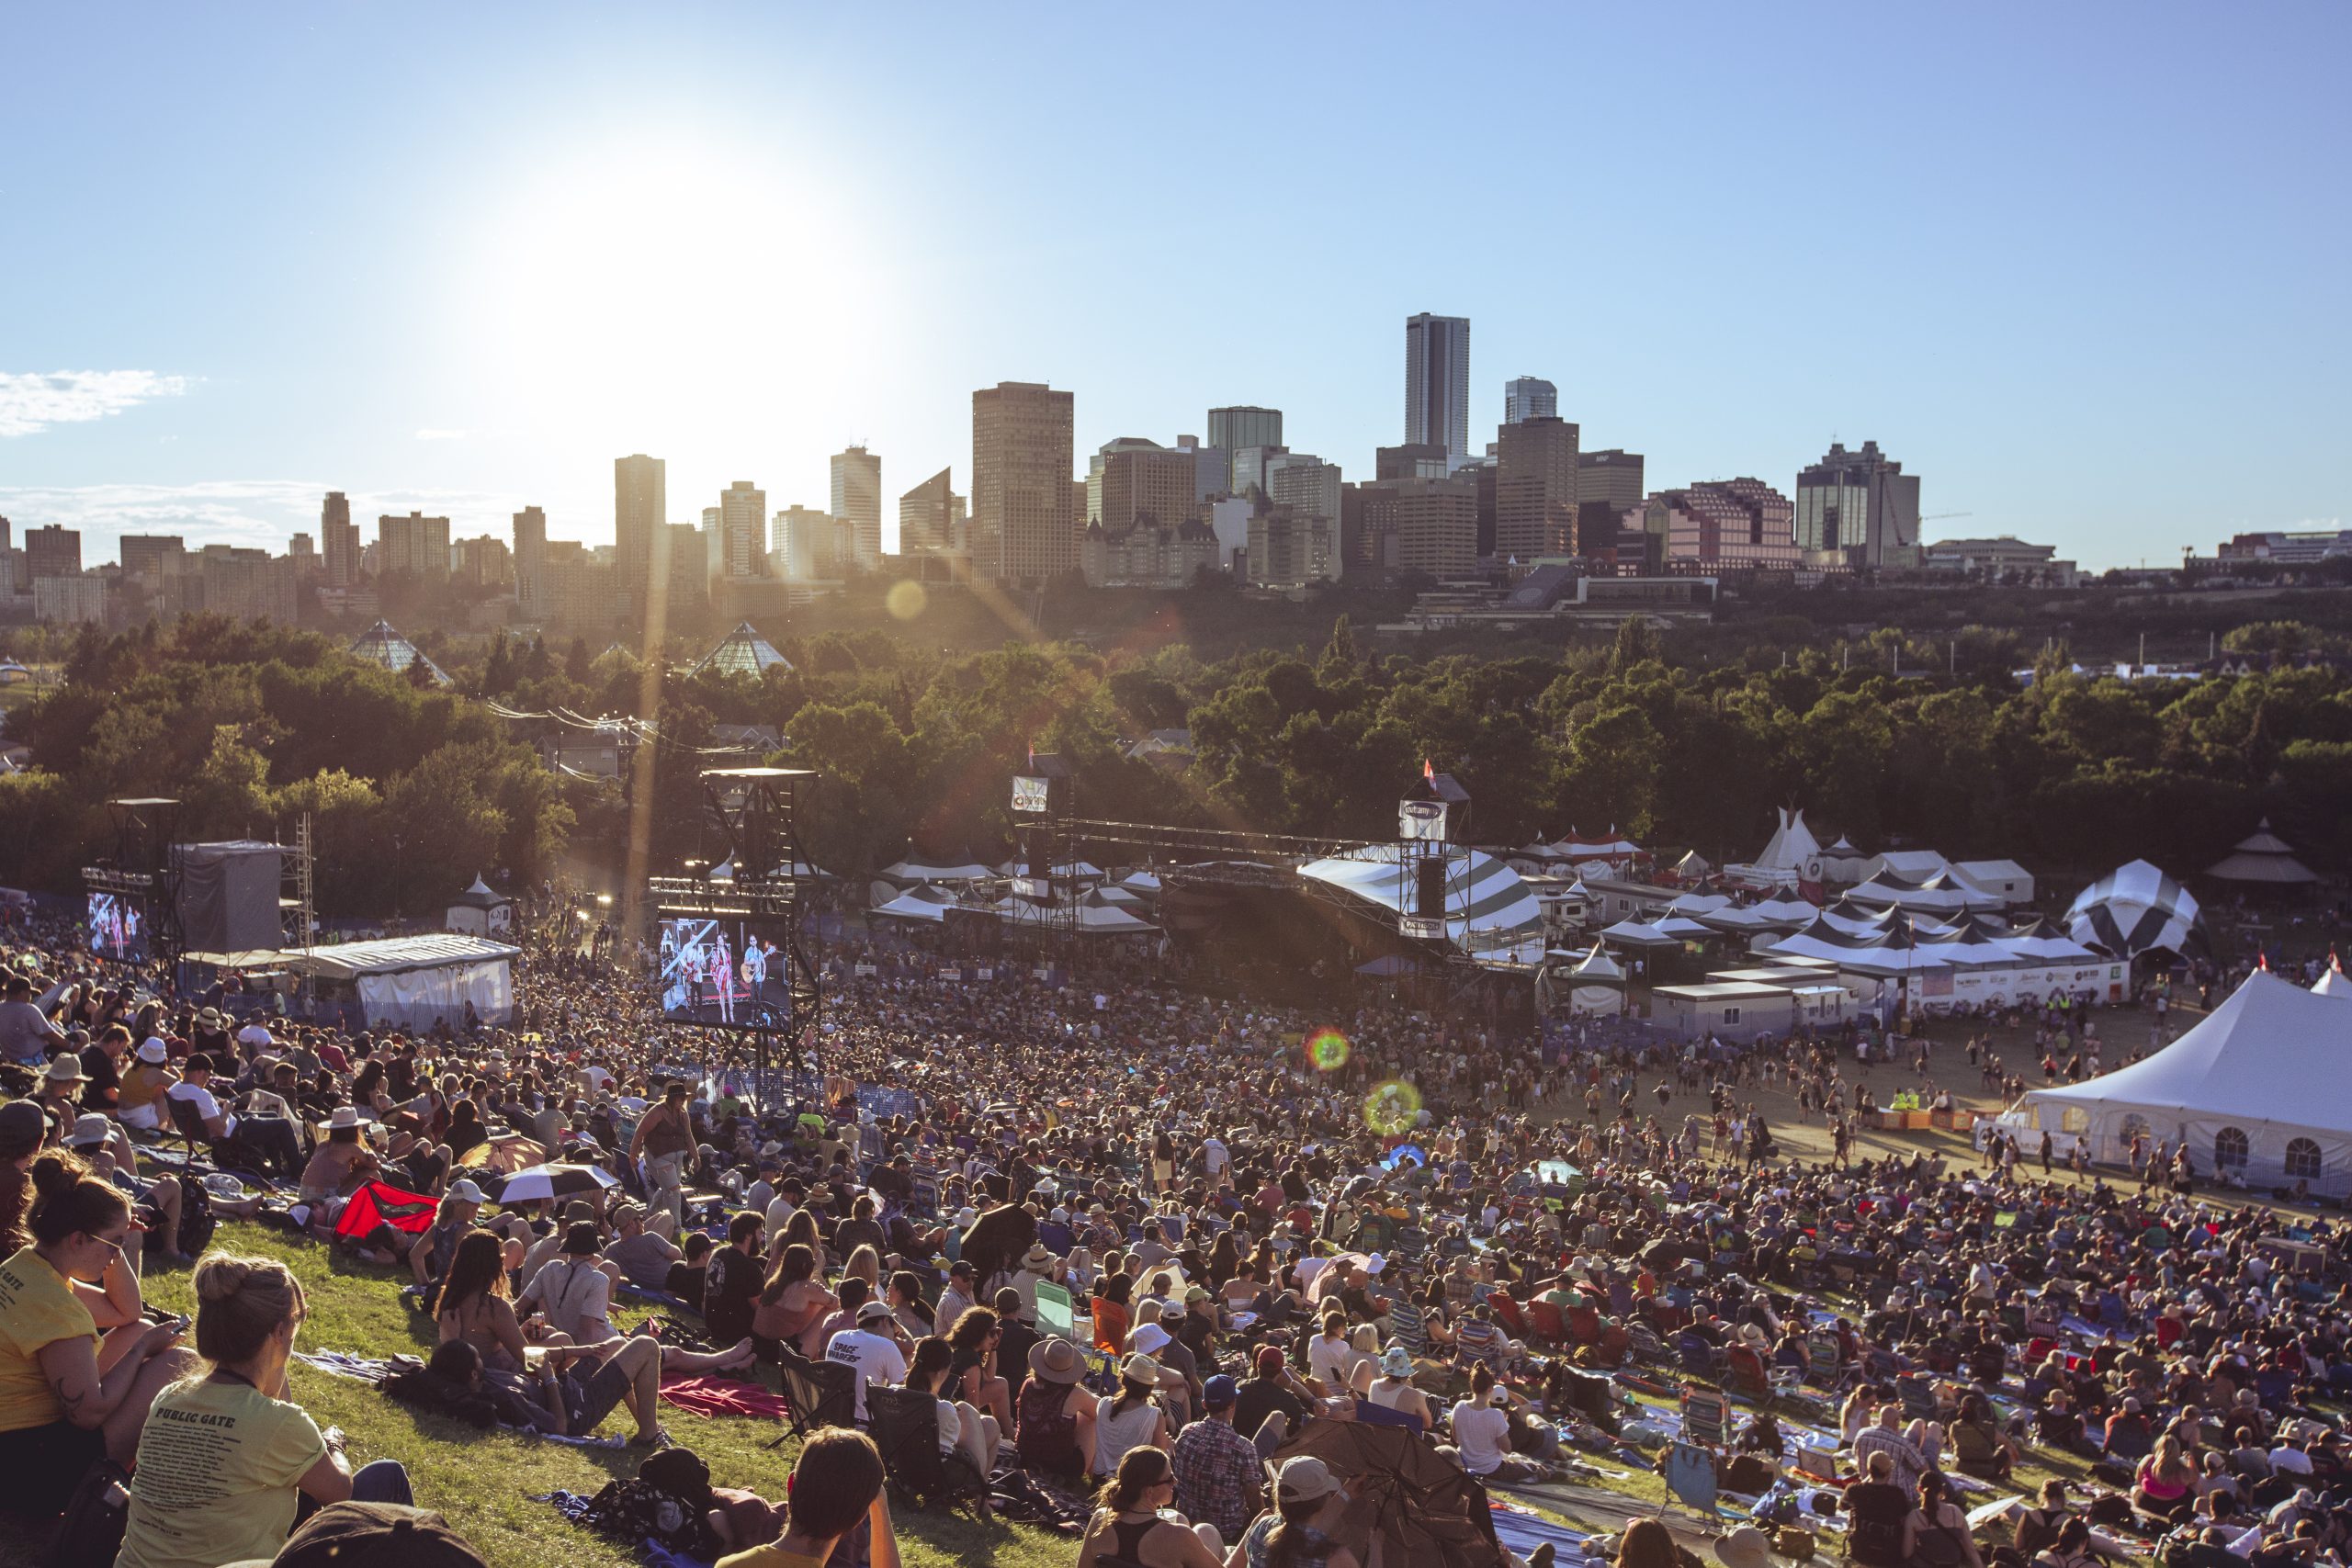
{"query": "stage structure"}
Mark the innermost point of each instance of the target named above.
(729, 955)
(1044, 797)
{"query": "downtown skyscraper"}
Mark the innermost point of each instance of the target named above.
(641, 509)
(857, 501)
(1025, 511)
(1437, 384)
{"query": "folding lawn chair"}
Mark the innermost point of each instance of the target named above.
(904, 1424)
(1745, 1377)
(1706, 1418)
(1918, 1394)
(819, 1394)
(1824, 1368)
(1691, 1480)
(1818, 1465)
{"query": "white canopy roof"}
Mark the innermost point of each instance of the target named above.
(920, 902)
(2333, 983)
(2263, 857)
(1780, 912)
(1092, 919)
(1486, 905)
(1598, 968)
(916, 871)
(1634, 933)
(396, 955)
(2268, 1065)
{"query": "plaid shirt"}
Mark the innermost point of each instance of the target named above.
(1214, 1468)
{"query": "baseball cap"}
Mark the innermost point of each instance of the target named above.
(1304, 1478)
(1270, 1360)
(372, 1535)
(21, 1121)
(874, 1312)
(1219, 1391)
(465, 1191)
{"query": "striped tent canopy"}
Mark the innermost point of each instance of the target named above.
(2131, 910)
(1486, 905)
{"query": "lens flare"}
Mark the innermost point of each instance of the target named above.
(906, 599)
(1327, 1049)
(1395, 1107)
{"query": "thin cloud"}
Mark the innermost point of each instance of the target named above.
(431, 433)
(30, 402)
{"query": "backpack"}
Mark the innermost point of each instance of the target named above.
(90, 1533)
(198, 1222)
(664, 1502)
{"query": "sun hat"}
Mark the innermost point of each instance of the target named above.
(1396, 1361)
(1036, 1259)
(93, 1128)
(1149, 1338)
(1304, 1477)
(1056, 1361)
(152, 1049)
(1746, 1547)
(580, 1239)
(1140, 1368)
(342, 1116)
(67, 1069)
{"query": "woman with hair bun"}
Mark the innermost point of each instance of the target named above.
(226, 1458)
(69, 1398)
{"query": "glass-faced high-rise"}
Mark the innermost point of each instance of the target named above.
(1437, 383)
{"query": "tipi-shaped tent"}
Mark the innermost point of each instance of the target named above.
(2333, 983)
(2133, 909)
(380, 644)
(1597, 985)
(1793, 847)
(2258, 1087)
(742, 651)
(2264, 859)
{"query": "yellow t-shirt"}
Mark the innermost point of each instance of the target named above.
(772, 1555)
(141, 1086)
(215, 1484)
(37, 1308)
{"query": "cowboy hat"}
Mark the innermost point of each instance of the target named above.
(343, 1118)
(1036, 1259)
(67, 1069)
(1140, 1368)
(1056, 1361)
(1746, 1547)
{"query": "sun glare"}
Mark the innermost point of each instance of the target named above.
(678, 290)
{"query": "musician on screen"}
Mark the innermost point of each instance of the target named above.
(722, 976)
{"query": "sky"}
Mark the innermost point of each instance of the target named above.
(2084, 268)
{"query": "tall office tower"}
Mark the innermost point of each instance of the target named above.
(1535, 490)
(1528, 397)
(928, 515)
(1142, 485)
(303, 551)
(414, 546)
(857, 501)
(1212, 468)
(1309, 489)
(339, 540)
(742, 527)
(1608, 484)
(641, 509)
(531, 562)
(1024, 526)
(1437, 383)
(806, 544)
(53, 551)
(1092, 511)
(1245, 425)
(1862, 506)
(1415, 461)
(1435, 525)
(148, 559)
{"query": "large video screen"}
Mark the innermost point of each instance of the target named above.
(725, 972)
(117, 928)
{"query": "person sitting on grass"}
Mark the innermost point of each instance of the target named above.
(226, 1459)
(474, 1305)
(69, 1398)
(567, 1392)
(836, 1487)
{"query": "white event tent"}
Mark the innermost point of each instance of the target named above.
(2258, 1087)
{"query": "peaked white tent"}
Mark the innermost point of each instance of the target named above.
(2132, 910)
(1597, 985)
(2256, 1087)
(481, 911)
(912, 871)
(2333, 983)
(922, 902)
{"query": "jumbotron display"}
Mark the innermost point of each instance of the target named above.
(117, 928)
(723, 972)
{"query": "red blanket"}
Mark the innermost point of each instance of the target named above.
(723, 1396)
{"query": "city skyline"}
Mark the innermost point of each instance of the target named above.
(400, 316)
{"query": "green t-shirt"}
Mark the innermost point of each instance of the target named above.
(218, 1463)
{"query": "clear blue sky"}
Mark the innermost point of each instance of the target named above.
(2082, 267)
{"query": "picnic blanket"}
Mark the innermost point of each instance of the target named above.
(699, 1396)
(374, 1370)
(1521, 1529)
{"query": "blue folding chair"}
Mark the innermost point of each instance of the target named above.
(1691, 1480)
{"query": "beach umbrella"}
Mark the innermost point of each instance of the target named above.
(551, 1182)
